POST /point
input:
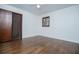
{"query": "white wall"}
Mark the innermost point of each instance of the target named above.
(29, 23)
(64, 24)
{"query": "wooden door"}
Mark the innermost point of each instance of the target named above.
(17, 26)
(5, 25)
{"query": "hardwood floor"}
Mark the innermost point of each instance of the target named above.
(39, 45)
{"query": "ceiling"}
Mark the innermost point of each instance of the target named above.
(44, 8)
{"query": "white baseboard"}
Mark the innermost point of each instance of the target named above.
(27, 36)
(60, 38)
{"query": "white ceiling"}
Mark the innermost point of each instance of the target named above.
(45, 8)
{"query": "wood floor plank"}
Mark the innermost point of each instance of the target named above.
(39, 45)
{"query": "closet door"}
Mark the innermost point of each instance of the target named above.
(16, 26)
(5, 25)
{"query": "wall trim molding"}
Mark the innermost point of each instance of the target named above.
(59, 38)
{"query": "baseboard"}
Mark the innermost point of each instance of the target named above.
(60, 38)
(52, 37)
(27, 36)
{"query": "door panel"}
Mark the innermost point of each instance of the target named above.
(5, 25)
(17, 26)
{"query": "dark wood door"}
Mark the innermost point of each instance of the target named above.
(5, 25)
(16, 26)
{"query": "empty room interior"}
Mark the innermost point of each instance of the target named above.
(39, 28)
